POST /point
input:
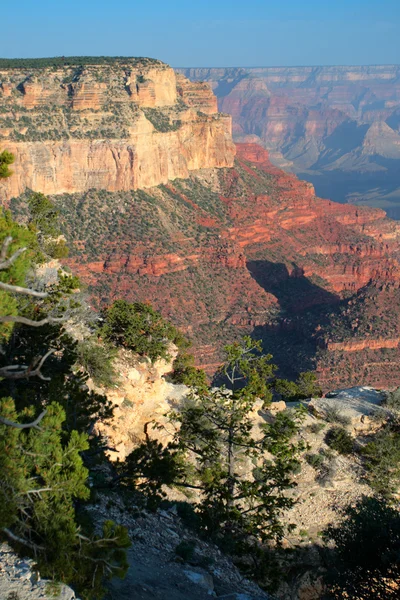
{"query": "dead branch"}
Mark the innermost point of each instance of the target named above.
(4, 250)
(34, 424)
(21, 540)
(17, 289)
(31, 323)
(24, 371)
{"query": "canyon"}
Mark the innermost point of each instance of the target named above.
(127, 125)
(159, 205)
(337, 127)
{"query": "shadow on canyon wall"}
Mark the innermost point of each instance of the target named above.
(304, 304)
(293, 290)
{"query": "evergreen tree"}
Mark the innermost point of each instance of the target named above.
(43, 481)
(44, 220)
(139, 328)
(243, 470)
(366, 563)
(6, 159)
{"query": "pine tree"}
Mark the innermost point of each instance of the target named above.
(243, 470)
(43, 481)
(365, 561)
(6, 159)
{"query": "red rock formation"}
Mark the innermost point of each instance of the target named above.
(315, 121)
(230, 250)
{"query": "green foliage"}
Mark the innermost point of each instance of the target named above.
(340, 440)
(97, 361)
(382, 460)
(315, 460)
(139, 328)
(392, 400)
(214, 445)
(6, 159)
(316, 427)
(216, 431)
(305, 387)
(17, 272)
(247, 367)
(185, 372)
(186, 550)
(160, 120)
(43, 480)
(44, 221)
(367, 550)
(42, 476)
(333, 415)
(78, 61)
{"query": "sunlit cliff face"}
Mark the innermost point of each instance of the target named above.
(114, 127)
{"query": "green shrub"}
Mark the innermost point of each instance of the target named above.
(305, 387)
(315, 460)
(185, 371)
(6, 159)
(392, 399)
(316, 427)
(97, 360)
(365, 562)
(382, 460)
(333, 415)
(139, 328)
(188, 515)
(186, 550)
(340, 440)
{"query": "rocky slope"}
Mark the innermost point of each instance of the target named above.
(220, 251)
(337, 127)
(129, 124)
(250, 249)
(20, 580)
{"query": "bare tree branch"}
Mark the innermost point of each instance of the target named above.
(21, 290)
(4, 249)
(21, 540)
(24, 371)
(33, 424)
(6, 263)
(31, 323)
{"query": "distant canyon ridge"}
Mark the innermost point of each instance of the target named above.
(159, 205)
(337, 127)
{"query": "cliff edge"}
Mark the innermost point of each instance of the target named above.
(126, 124)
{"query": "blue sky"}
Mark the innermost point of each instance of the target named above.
(205, 33)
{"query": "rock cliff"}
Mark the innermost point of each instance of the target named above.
(129, 149)
(126, 125)
(337, 127)
(249, 249)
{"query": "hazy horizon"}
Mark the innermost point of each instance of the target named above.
(261, 32)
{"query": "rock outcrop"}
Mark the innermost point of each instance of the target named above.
(130, 124)
(19, 580)
(251, 248)
(337, 127)
(141, 396)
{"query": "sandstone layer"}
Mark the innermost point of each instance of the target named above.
(337, 127)
(249, 249)
(121, 126)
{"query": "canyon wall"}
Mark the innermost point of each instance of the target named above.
(126, 125)
(337, 127)
(249, 249)
(156, 208)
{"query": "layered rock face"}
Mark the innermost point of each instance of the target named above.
(250, 249)
(126, 125)
(338, 127)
